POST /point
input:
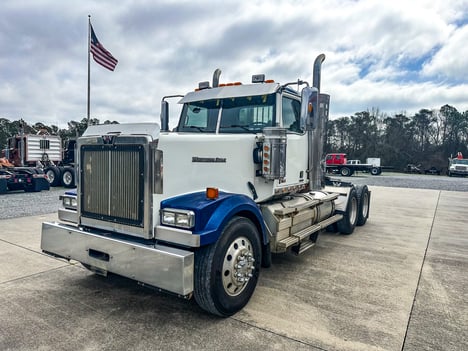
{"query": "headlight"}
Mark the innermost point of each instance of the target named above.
(69, 201)
(178, 218)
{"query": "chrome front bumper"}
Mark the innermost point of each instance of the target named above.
(462, 172)
(160, 266)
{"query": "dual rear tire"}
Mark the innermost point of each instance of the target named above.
(61, 176)
(357, 210)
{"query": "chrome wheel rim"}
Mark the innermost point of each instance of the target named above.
(353, 210)
(238, 266)
(50, 176)
(67, 178)
(365, 204)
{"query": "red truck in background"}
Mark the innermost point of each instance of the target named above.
(338, 163)
(22, 161)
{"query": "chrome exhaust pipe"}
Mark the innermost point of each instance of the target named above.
(216, 75)
(318, 71)
(316, 136)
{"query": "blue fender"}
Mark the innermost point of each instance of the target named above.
(71, 192)
(212, 215)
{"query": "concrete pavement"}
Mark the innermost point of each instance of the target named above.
(398, 283)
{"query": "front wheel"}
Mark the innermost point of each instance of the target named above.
(227, 271)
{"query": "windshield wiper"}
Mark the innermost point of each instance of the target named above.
(244, 127)
(200, 129)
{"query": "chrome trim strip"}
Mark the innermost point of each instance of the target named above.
(177, 236)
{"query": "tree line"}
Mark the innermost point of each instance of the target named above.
(427, 138)
(75, 129)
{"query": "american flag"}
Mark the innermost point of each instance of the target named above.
(100, 54)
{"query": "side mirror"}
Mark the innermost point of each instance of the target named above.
(164, 116)
(309, 108)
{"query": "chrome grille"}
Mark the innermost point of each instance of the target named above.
(112, 183)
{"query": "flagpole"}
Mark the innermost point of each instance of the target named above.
(89, 70)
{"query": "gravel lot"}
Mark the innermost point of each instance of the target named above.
(402, 180)
(21, 204)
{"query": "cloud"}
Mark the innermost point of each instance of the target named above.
(450, 61)
(397, 56)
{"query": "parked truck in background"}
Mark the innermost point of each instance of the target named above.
(44, 152)
(33, 150)
(198, 211)
(457, 166)
(337, 163)
(23, 160)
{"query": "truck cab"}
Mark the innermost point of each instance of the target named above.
(336, 159)
(221, 128)
(458, 166)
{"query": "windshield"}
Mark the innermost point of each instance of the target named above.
(457, 161)
(199, 116)
(246, 114)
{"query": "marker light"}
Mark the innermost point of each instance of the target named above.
(212, 193)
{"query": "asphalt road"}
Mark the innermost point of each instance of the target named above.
(398, 283)
(415, 181)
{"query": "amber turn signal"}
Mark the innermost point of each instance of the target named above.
(212, 193)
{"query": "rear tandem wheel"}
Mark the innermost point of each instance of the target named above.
(347, 224)
(363, 196)
(68, 177)
(53, 175)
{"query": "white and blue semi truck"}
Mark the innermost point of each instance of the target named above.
(199, 210)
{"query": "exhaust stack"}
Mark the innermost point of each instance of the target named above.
(316, 136)
(216, 75)
(318, 71)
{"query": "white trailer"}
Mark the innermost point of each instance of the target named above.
(34, 149)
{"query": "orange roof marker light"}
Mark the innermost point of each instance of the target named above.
(212, 193)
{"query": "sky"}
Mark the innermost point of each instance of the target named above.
(394, 56)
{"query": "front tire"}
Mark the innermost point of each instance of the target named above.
(227, 271)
